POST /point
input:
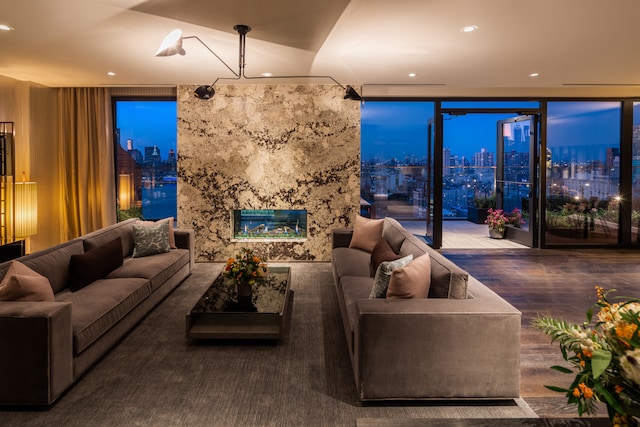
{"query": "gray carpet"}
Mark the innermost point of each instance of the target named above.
(156, 377)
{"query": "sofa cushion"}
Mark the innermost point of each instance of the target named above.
(382, 252)
(366, 233)
(447, 279)
(383, 276)
(354, 289)
(172, 237)
(123, 229)
(412, 280)
(150, 239)
(351, 262)
(21, 283)
(97, 307)
(94, 264)
(393, 233)
(157, 268)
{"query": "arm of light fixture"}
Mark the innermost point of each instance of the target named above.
(172, 45)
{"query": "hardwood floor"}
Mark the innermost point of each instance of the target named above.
(558, 282)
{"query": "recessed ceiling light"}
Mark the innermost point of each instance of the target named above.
(4, 27)
(267, 74)
(111, 73)
(534, 74)
(412, 74)
(469, 28)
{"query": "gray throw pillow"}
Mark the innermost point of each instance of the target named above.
(150, 239)
(383, 276)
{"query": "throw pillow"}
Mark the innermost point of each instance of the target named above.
(94, 264)
(21, 283)
(383, 276)
(382, 252)
(150, 239)
(172, 236)
(412, 280)
(366, 233)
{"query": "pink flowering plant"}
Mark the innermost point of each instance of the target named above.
(496, 219)
(604, 356)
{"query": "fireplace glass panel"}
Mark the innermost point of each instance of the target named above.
(269, 224)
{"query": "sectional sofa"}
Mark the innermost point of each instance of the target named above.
(444, 336)
(69, 304)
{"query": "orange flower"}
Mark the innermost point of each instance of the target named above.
(625, 330)
(576, 392)
(586, 391)
(619, 389)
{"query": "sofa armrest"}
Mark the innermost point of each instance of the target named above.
(185, 240)
(36, 361)
(438, 348)
(341, 237)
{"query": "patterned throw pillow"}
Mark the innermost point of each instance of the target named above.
(150, 239)
(383, 276)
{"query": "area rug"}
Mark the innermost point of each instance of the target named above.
(156, 377)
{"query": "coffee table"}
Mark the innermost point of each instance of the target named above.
(217, 314)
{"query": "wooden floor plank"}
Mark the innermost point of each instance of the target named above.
(554, 281)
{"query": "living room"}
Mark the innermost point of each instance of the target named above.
(289, 143)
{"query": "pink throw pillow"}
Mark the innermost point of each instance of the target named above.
(21, 283)
(366, 233)
(411, 281)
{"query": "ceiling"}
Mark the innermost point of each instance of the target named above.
(359, 42)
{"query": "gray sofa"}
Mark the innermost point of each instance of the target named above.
(46, 346)
(461, 342)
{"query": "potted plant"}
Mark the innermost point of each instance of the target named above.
(497, 222)
(479, 207)
(604, 356)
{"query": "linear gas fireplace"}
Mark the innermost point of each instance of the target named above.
(269, 224)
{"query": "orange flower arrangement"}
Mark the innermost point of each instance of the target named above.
(605, 354)
(245, 268)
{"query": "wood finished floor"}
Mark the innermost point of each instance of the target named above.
(559, 282)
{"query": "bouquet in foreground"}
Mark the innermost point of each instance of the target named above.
(604, 355)
(245, 268)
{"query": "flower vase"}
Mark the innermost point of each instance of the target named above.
(245, 292)
(495, 233)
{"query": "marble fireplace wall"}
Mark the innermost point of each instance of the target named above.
(267, 147)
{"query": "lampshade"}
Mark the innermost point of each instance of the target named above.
(204, 92)
(171, 45)
(124, 191)
(351, 94)
(26, 206)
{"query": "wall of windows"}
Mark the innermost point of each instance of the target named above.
(581, 164)
(146, 158)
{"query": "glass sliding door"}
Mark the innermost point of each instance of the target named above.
(582, 173)
(516, 176)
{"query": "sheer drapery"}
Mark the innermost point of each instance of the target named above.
(85, 160)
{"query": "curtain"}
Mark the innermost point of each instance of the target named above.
(86, 160)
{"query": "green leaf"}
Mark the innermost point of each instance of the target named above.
(589, 315)
(562, 369)
(557, 389)
(600, 361)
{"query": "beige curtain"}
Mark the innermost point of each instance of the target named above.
(85, 161)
